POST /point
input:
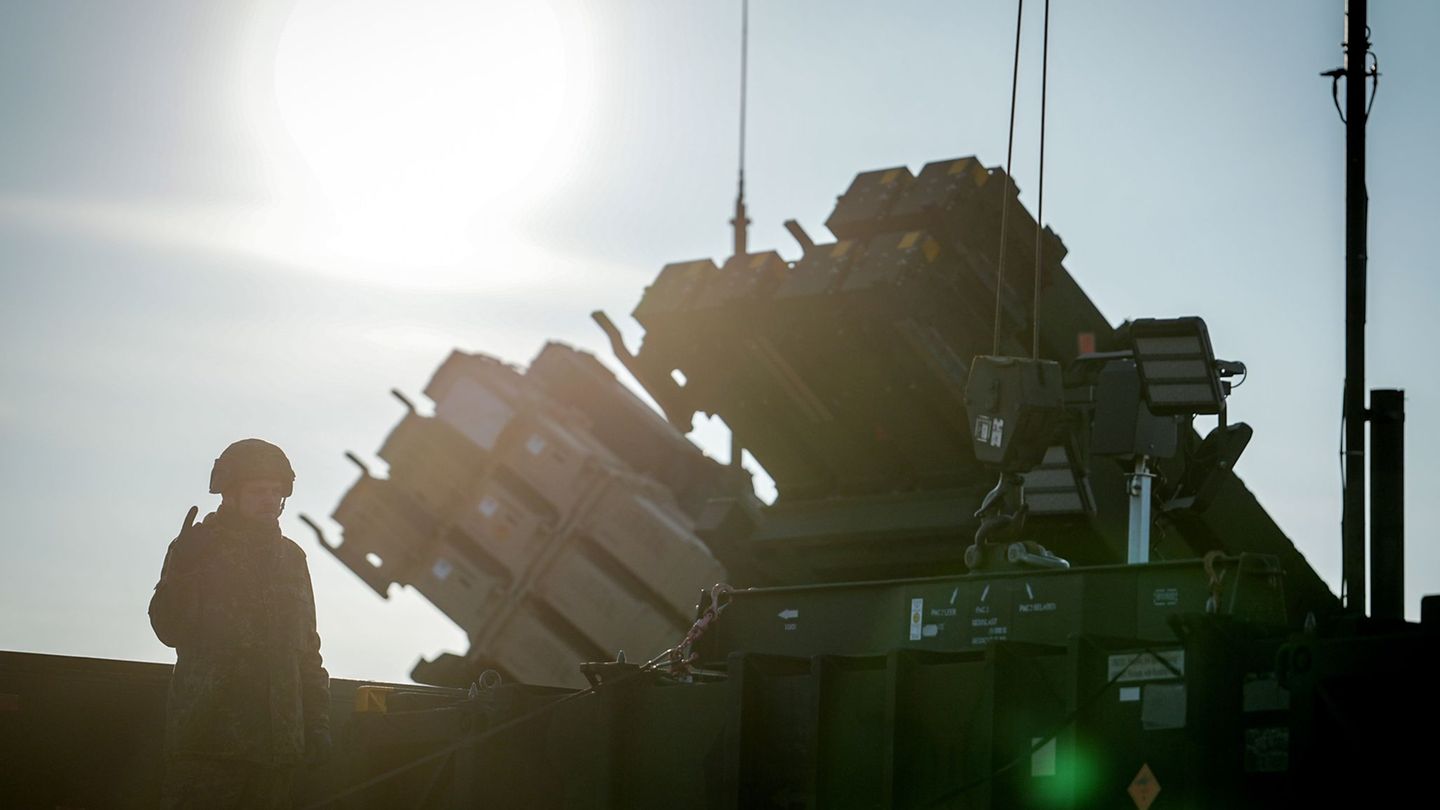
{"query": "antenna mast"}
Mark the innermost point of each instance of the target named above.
(740, 222)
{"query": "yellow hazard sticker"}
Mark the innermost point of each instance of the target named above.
(931, 249)
(370, 699)
(1144, 788)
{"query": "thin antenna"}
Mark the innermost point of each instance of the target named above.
(740, 222)
(1005, 195)
(1040, 207)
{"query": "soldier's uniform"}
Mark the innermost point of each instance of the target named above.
(248, 690)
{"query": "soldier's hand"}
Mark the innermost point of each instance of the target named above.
(188, 525)
(187, 543)
(318, 747)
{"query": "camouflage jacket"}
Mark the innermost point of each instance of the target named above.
(236, 604)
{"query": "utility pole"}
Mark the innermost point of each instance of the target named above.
(1357, 45)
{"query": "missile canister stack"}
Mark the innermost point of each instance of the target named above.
(509, 512)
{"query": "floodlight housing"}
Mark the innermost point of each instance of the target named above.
(1058, 485)
(1122, 423)
(1177, 366)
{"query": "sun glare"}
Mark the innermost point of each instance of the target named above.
(419, 124)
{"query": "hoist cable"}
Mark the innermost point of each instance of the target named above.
(1005, 194)
(1040, 206)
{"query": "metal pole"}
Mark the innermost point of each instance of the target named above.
(1352, 521)
(1140, 511)
(741, 222)
(741, 245)
(1387, 504)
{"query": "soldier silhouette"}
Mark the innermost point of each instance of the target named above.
(249, 699)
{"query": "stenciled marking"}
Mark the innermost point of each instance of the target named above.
(917, 619)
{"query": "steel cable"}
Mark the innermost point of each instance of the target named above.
(1040, 206)
(1040, 742)
(476, 738)
(1005, 194)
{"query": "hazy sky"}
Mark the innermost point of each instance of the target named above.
(222, 220)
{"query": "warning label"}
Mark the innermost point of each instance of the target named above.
(1144, 788)
(982, 429)
(1166, 597)
(1144, 666)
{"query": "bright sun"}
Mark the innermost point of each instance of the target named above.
(419, 122)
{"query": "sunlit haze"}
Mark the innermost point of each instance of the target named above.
(221, 220)
(419, 126)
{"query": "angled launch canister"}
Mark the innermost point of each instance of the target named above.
(549, 513)
(843, 374)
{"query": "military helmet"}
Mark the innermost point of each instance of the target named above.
(249, 460)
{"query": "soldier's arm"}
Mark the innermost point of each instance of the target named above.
(175, 605)
(314, 680)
